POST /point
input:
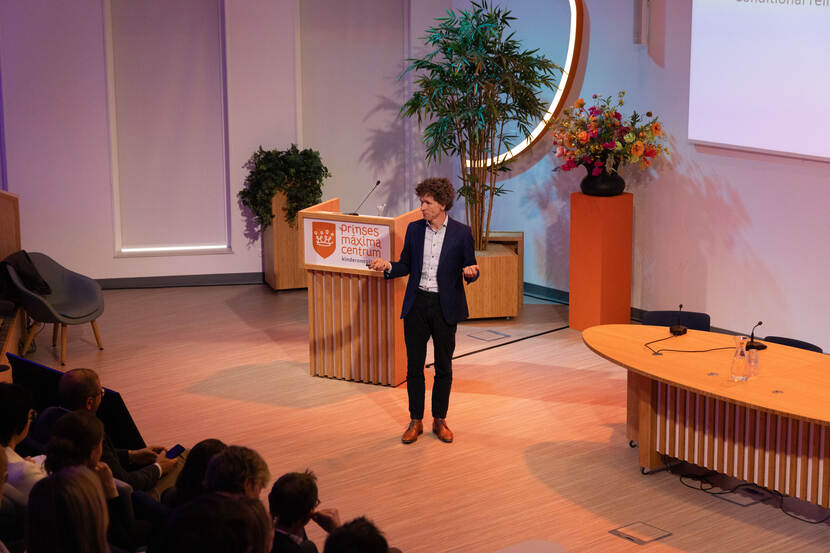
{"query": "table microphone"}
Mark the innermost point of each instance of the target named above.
(752, 343)
(355, 212)
(676, 329)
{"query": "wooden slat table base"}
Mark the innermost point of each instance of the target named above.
(352, 327)
(777, 452)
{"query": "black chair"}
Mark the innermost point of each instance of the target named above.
(75, 299)
(42, 383)
(793, 343)
(689, 319)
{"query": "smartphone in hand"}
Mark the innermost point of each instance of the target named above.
(174, 451)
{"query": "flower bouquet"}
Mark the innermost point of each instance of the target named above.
(602, 141)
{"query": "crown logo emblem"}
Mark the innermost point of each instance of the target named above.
(324, 238)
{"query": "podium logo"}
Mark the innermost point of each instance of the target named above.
(323, 238)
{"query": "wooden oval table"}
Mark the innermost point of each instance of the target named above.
(772, 430)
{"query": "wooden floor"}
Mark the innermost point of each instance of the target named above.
(540, 452)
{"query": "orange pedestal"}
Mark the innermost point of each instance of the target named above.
(600, 270)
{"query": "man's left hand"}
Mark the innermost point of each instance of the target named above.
(145, 456)
(470, 271)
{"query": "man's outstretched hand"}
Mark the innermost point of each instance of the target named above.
(379, 264)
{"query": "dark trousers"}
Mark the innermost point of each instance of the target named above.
(423, 321)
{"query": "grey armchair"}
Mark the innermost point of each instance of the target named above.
(75, 299)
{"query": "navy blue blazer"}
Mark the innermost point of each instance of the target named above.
(457, 252)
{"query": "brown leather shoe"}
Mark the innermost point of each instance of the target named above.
(440, 429)
(415, 429)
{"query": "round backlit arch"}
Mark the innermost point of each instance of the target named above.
(568, 77)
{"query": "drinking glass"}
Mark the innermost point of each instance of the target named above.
(740, 364)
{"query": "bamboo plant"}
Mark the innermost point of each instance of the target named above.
(479, 90)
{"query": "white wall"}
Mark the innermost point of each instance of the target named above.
(55, 107)
(352, 55)
(736, 234)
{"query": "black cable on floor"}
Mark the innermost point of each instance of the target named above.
(505, 343)
(706, 485)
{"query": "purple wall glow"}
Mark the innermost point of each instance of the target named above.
(736, 234)
(55, 105)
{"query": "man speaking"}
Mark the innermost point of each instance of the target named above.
(437, 253)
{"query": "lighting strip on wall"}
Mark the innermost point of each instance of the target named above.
(182, 249)
(568, 73)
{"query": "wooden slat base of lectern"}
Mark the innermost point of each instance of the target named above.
(352, 320)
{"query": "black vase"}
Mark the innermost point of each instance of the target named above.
(604, 184)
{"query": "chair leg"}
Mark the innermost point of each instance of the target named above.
(55, 328)
(63, 344)
(97, 334)
(30, 338)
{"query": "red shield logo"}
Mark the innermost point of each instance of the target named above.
(323, 238)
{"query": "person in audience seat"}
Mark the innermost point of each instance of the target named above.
(216, 523)
(358, 536)
(191, 480)
(68, 514)
(146, 469)
(4, 474)
(16, 416)
(237, 470)
(77, 440)
(293, 503)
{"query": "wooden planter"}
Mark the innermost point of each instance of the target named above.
(281, 251)
(498, 291)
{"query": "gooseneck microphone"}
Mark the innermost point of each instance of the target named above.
(678, 329)
(355, 212)
(752, 343)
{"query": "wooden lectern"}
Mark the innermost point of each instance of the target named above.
(354, 327)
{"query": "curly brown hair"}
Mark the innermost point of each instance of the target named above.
(441, 191)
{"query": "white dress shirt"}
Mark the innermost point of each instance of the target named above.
(23, 475)
(433, 242)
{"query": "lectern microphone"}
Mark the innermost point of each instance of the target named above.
(355, 212)
(752, 343)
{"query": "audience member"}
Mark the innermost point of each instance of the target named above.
(357, 536)
(217, 523)
(77, 440)
(237, 469)
(191, 480)
(67, 514)
(293, 503)
(16, 415)
(4, 474)
(142, 469)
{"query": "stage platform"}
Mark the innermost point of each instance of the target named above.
(540, 452)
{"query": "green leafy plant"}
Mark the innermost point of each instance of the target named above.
(480, 92)
(297, 173)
